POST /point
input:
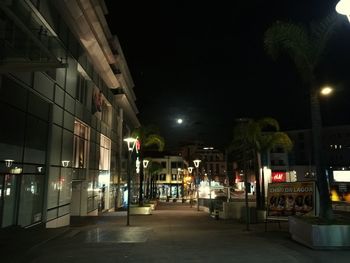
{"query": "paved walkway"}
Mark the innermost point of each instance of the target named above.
(173, 233)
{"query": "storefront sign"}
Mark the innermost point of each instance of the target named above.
(278, 177)
(296, 198)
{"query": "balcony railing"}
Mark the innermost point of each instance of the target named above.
(25, 41)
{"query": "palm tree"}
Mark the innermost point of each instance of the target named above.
(153, 170)
(147, 136)
(267, 140)
(259, 136)
(306, 46)
(241, 145)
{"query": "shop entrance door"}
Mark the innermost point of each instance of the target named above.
(8, 185)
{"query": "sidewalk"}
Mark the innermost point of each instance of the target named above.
(175, 232)
(16, 241)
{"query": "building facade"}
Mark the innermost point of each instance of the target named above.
(213, 161)
(67, 100)
(167, 174)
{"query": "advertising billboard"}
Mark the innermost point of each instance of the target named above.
(294, 198)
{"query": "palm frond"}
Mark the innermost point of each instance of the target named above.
(154, 167)
(294, 40)
(321, 32)
(148, 135)
(154, 139)
(281, 139)
(268, 122)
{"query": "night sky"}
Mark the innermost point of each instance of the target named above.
(204, 61)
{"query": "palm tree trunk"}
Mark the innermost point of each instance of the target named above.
(141, 179)
(247, 212)
(257, 179)
(326, 211)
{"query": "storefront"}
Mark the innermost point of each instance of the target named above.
(23, 154)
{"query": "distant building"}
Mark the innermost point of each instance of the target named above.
(165, 176)
(67, 101)
(213, 161)
(298, 164)
(335, 147)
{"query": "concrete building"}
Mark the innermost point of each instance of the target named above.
(298, 164)
(168, 178)
(213, 161)
(66, 97)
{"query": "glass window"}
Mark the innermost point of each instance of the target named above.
(56, 143)
(106, 112)
(53, 187)
(65, 186)
(82, 87)
(51, 214)
(11, 133)
(9, 199)
(105, 153)
(12, 93)
(163, 164)
(80, 144)
(36, 141)
(31, 201)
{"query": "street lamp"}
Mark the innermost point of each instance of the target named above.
(343, 8)
(209, 177)
(145, 163)
(190, 170)
(196, 164)
(131, 145)
(326, 90)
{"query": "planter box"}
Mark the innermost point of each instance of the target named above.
(319, 236)
(233, 210)
(152, 206)
(140, 210)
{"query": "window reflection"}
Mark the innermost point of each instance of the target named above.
(80, 149)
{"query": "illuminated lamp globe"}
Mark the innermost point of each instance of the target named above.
(343, 8)
(325, 91)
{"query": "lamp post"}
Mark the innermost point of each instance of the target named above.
(196, 164)
(131, 145)
(210, 200)
(210, 149)
(343, 8)
(190, 169)
(145, 163)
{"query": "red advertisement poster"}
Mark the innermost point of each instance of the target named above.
(286, 199)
